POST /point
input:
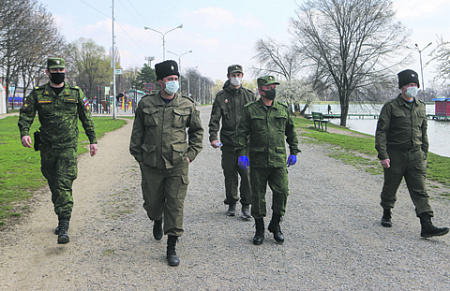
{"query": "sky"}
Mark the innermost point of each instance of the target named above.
(219, 33)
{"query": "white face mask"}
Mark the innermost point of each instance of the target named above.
(172, 87)
(235, 81)
(411, 92)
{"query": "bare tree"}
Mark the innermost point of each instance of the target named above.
(441, 54)
(295, 92)
(351, 44)
(276, 58)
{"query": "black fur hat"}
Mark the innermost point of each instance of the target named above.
(407, 76)
(166, 68)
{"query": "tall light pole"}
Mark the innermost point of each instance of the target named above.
(420, 57)
(113, 63)
(163, 37)
(179, 61)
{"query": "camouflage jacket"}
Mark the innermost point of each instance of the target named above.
(165, 134)
(267, 128)
(401, 127)
(228, 106)
(58, 115)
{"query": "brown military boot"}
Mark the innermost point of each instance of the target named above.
(428, 229)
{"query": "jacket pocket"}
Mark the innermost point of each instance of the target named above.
(150, 116)
(149, 155)
(178, 153)
(257, 123)
(70, 105)
(280, 123)
(180, 118)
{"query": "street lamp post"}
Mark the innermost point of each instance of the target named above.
(179, 61)
(420, 57)
(163, 37)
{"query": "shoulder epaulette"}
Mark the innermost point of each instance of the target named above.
(74, 87)
(40, 87)
(250, 103)
(220, 92)
(421, 101)
(189, 98)
(248, 90)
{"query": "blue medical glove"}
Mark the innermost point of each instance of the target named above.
(291, 160)
(243, 162)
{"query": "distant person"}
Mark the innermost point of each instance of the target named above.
(268, 123)
(59, 106)
(329, 109)
(402, 144)
(167, 136)
(227, 107)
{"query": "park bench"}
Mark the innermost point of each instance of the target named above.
(319, 121)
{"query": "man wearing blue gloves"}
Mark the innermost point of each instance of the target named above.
(267, 122)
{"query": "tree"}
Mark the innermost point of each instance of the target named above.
(145, 75)
(352, 45)
(276, 58)
(294, 91)
(441, 54)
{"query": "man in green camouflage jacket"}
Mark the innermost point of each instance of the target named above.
(228, 106)
(167, 136)
(59, 106)
(268, 124)
(402, 144)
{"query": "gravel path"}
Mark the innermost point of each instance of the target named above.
(333, 237)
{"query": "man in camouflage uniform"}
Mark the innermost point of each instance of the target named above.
(402, 144)
(267, 122)
(164, 151)
(228, 106)
(59, 106)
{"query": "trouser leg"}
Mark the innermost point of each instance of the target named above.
(392, 178)
(259, 177)
(152, 185)
(230, 172)
(415, 177)
(59, 167)
(245, 188)
(279, 183)
(175, 189)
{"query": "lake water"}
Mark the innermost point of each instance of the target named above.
(438, 131)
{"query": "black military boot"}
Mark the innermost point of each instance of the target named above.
(246, 211)
(428, 229)
(386, 218)
(274, 227)
(231, 210)
(259, 235)
(157, 229)
(172, 257)
(63, 227)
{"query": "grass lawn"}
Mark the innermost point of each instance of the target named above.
(20, 172)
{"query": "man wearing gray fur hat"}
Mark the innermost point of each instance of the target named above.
(167, 136)
(402, 144)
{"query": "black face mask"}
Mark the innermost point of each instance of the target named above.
(57, 78)
(270, 94)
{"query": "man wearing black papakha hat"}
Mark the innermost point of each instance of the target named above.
(164, 151)
(402, 144)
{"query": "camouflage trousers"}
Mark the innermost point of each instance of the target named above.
(59, 167)
(277, 178)
(411, 165)
(164, 192)
(230, 171)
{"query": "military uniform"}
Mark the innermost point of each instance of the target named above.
(160, 144)
(58, 115)
(267, 128)
(228, 106)
(401, 136)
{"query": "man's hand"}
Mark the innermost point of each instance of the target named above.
(291, 160)
(385, 163)
(93, 149)
(26, 141)
(216, 144)
(243, 162)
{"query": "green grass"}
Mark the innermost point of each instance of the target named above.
(20, 173)
(360, 152)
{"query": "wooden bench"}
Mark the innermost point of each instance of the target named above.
(319, 121)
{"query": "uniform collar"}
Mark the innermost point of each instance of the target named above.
(160, 102)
